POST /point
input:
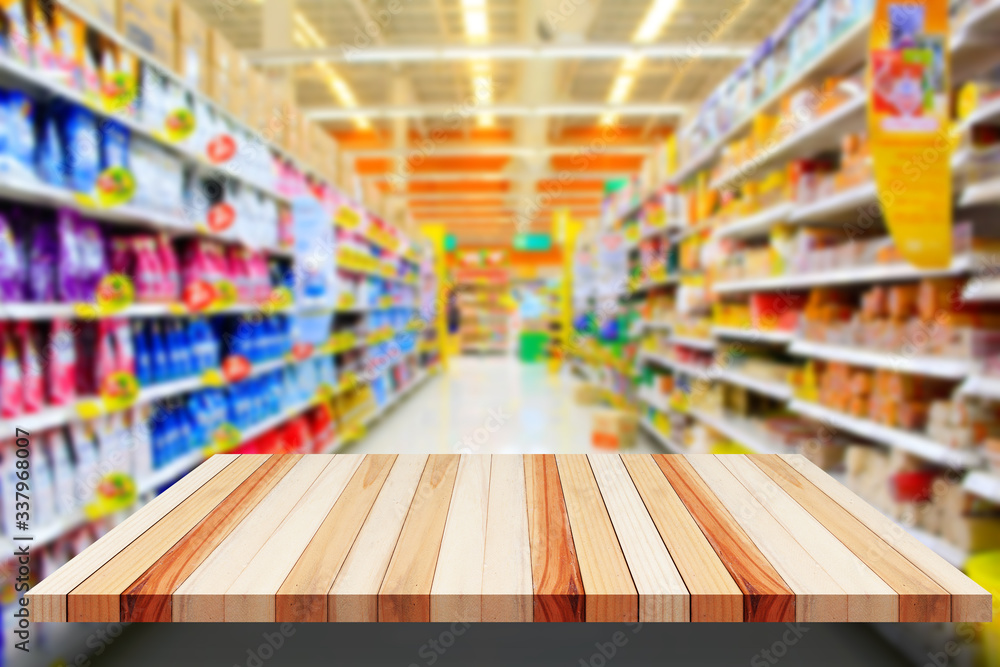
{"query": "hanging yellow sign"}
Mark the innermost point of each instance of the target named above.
(908, 112)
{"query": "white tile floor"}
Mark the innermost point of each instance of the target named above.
(533, 413)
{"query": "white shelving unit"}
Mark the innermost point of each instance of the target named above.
(950, 369)
(664, 441)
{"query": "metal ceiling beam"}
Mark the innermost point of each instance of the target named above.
(495, 176)
(448, 111)
(473, 150)
(348, 55)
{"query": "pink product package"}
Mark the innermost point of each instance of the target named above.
(105, 361)
(31, 368)
(124, 359)
(11, 385)
(171, 269)
(204, 260)
(149, 279)
(240, 272)
(60, 372)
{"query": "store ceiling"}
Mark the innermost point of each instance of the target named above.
(467, 111)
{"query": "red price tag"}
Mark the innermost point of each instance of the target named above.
(199, 295)
(221, 217)
(236, 368)
(221, 149)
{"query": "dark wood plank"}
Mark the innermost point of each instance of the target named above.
(555, 571)
(766, 597)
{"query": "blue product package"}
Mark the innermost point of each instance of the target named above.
(17, 147)
(49, 155)
(161, 360)
(143, 359)
(78, 131)
(114, 144)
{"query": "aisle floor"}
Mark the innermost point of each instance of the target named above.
(489, 405)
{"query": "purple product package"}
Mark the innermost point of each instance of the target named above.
(93, 257)
(11, 262)
(43, 255)
(69, 264)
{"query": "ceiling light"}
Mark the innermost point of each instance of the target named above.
(475, 23)
(632, 62)
(654, 20)
(609, 118)
(307, 27)
(621, 88)
(486, 120)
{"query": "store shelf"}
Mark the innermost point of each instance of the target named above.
(667, 362)
(70, 311)
(754, 335)
(776, 390)
(982, 289)
(747, 432)
(949, 369)
(984, 485)
(982, 386)
(857, 275)
(957, 557)
(652, 284)
(664, 441)
(655, 400)
(981, 194)
(818, 135)
(706, 344)
(758, 224)
(979, 23)
(843, 55)
(656, 325)
(843, 203)
(913, 443)
(988, 112)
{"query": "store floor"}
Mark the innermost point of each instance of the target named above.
(488, 405)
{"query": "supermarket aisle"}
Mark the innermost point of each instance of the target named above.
(488, 406)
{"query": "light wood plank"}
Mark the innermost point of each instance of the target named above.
(354, 596)
(99, 597)
(662, 593)
(611, 594)
(930, 589)
(456, 595)
(818, 598)
(715, 597)
(405, 592)
(251, 598)
(303, 595)
(556, 578)
(201, 598)
(507, 590)
(48, 599)
(148, 599)
(766, 597)
(869, 598)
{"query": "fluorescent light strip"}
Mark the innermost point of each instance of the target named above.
(650, 28)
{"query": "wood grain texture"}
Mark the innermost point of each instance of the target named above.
(766, 597)
(715, 597)
(662, 593)
(48, 599)
(618, 538)
(303, 595)
(457, 591)
(251, 597)
(869, 597)
(405, 594)
(611, 594)
(354, 595)
(201, 598)
(148, 599)
(817, 595)
(556, 579)
(507, 584)
(919, 596)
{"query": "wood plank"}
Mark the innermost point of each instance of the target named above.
(556, 579)
(48, 599)
(251, 598)
(405, 592)
(201, 597)
(99, 597)
(930, 588)
(507, 585)
(766, 597)
(611, 594)
(662, 593)
(870, 599)
(456, 594)
(149, 598)
(818, 598)
(354, 596)
(302, 596)
(715, 597)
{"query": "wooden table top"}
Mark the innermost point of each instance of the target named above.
(508, 538)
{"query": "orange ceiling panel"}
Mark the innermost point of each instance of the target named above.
(368, 166)
(417, 186)
(459, 163)
(616, 135)
(358, 140)
(456, 203)
(555, 186)
(596, 162)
